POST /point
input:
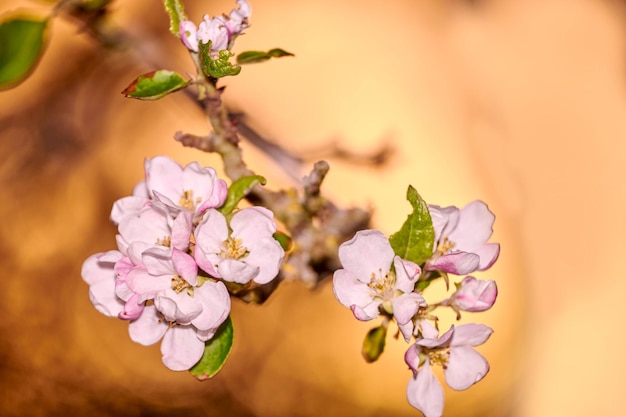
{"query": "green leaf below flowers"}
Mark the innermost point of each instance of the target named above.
(22, 42)
(155, 85)
(251, 57)
(218, 67)
(414, 241)
(238, 190)
(216, 351)
(175, 10)
(374, 343)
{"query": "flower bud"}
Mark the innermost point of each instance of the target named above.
(475, 295)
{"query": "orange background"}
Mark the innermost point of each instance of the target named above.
(519, 103)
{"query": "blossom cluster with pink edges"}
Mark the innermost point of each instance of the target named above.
(175, 254)
(221, 31)
(374, 282)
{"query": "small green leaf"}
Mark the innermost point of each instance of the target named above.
(285, 241)
(218, 67)
(22, 41)
(91, 5)
(175, 10)
(216, 351)
(251, 57)
(374, 343)
(238, 190)
(155, 85)
(414, 241)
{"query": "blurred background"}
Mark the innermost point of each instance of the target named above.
(520, 103)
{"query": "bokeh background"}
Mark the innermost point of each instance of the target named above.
(520, 103)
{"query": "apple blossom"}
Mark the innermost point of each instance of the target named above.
(221, 31)
(241, 250)
(461, 238)
(474, 295)
(98, 271)
(191, 188)
(367, 283)
(453, 351)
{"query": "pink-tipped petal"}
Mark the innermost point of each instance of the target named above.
(367, 252)
(425, 392)
(470, 334)
(465, 368)
(181, 348)
(149, 328)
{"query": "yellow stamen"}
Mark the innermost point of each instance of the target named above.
(187, 201)
(179, 284)
(446, 246)
(439, 358)
(166, 241)
(233, 249)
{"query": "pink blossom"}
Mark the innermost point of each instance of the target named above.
(192, 188)
(247, 253)
(188, 35)
(237, 21)
(367, 283)
(462, 365)
(461, 239)
(474, 295)
(154, 226)
(214, 30)
(186, 311)
(221, 31)
(98, 271)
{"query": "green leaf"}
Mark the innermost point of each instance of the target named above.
(251, 57)
(155, 85)
(374, 343)
(216, 351)
(238, 190)
(285, 241)
(22, 41)
(175, 10)
(414, 241)
(91, 5)
(218, 67)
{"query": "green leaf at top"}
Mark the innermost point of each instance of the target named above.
(414, 241)
(251, 57)
(216, 351)
(155, 85)
(374, 343)
(238, 190)
(175, 10)
(22, 42)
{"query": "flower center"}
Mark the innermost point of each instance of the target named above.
(187, 201)
(445, 246)
(179, 284)
(382, 285)
(439, 357)
(233, 249)
(166, 241)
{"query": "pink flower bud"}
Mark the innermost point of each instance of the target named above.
(475, 295)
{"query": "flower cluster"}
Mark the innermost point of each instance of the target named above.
(175, 252)
(377, 282)
(220, 31)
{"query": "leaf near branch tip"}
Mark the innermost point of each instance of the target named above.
(22, 42)
(374, 343)
(155, 85)
(414, 241)
(216, 351)
(251, 57)
(175, 10)
(238, 190)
